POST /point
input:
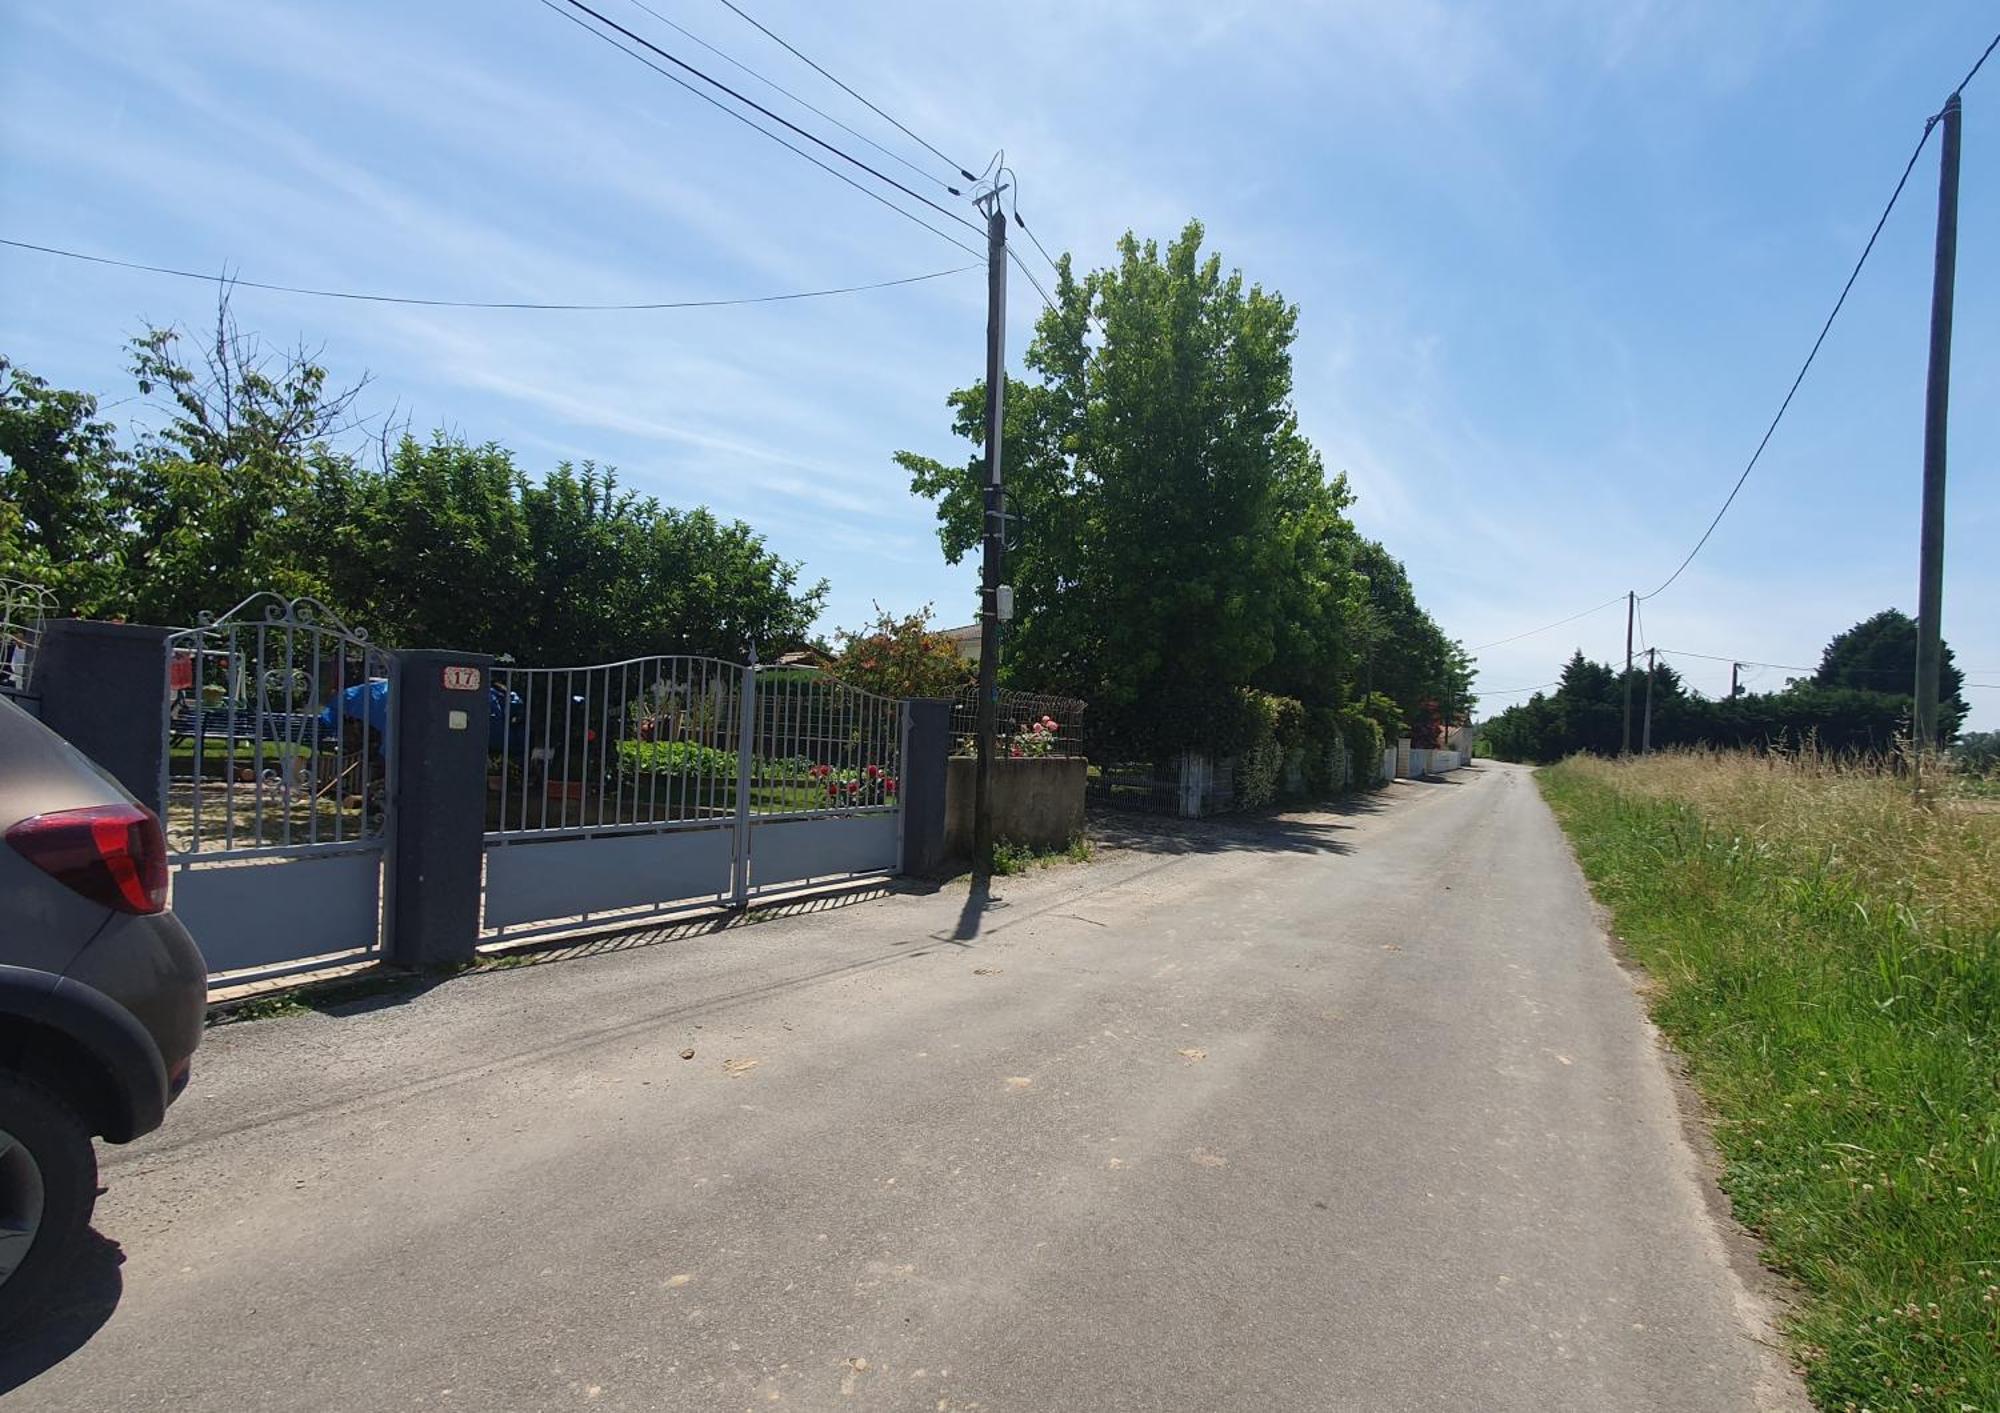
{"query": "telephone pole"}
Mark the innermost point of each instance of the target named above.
(992, 532)
(1631, 606)
(1734, 668)
(1646, 742)
(1937, 398)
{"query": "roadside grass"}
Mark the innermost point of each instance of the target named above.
(1010, 858)
(1826, 954)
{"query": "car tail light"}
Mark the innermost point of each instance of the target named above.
(112, 854)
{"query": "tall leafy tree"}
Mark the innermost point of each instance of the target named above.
(1178, 539)
(218, 491)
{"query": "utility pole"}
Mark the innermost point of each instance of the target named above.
(1646, 741)
(992, 532)
(1937, 397)
(1734, 668)
(1631, 606)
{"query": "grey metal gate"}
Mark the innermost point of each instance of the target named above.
(628, 790)
(277, 787)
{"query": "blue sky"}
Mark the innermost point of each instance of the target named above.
(1557, 262)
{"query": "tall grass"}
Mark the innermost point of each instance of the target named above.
(1826, 953)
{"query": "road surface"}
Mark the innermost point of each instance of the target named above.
(1337, 1111)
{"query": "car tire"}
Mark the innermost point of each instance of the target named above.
(48, 1186)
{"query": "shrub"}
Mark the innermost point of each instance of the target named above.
(637, 758)
(1262, 758)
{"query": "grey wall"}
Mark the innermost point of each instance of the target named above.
(1037, 801)
(104, 690)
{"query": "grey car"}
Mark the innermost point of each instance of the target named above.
(102, 994)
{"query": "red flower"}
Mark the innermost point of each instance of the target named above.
(833, 788)
(874, 772)
(889, 785)
(590, 733)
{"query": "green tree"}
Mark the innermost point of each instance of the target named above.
(1879, 654)
(218, 491)
(1178, 539)
(64, 491)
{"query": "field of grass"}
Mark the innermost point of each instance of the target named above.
(1826, 954)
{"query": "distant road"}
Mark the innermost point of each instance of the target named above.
(1332, 1112)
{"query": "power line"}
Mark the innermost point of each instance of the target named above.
(1825, 328)
(1497, 642)
(715, 102)
(1015, 256)
(1516, 691)
(1896, 672)
(796, 53)
(774, 117)
(1977, 66)
(478, 303)
(727, 58)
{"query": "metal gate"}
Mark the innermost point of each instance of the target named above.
(628, 790)
(277, 787)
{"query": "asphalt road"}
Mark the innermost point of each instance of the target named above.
(1334, 1112)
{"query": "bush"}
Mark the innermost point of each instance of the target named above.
(1261, 760)
(637, 758)
(1365, 743)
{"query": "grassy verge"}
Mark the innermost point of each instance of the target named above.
(1826, 953)
(1011, 858)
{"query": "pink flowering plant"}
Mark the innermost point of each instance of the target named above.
(1038, 738)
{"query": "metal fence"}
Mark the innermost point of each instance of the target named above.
(1029, 723)
(23, 609)
(664, 741)
(273, 722)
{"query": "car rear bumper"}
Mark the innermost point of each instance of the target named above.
(150, 967)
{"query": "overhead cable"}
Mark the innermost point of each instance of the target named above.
(771, 83)
(778, 138)
(1825, 328)
(752, 103)
(478, 303)
(816, 68)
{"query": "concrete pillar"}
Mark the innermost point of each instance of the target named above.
(440, 734)
(926, 754)
(103, 688)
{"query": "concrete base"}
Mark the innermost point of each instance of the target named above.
(1037, 801)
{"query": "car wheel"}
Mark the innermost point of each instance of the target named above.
(48, 1185)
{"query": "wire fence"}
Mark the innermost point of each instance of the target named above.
(1027, 723)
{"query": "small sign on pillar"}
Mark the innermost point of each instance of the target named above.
(461, 679)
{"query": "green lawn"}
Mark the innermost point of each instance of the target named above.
(1826, 954)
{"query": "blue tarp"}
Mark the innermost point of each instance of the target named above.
(369, 701)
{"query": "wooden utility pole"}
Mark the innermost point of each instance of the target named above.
(1646, 741)
(1734, 668)
(992, 533)
(1631, 606)
(1937, 398)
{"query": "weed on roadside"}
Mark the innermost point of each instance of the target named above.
(1826, 953)
(1010, 858)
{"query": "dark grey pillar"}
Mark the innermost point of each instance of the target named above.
(924, 763)
(440, 743)
(103, 688)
